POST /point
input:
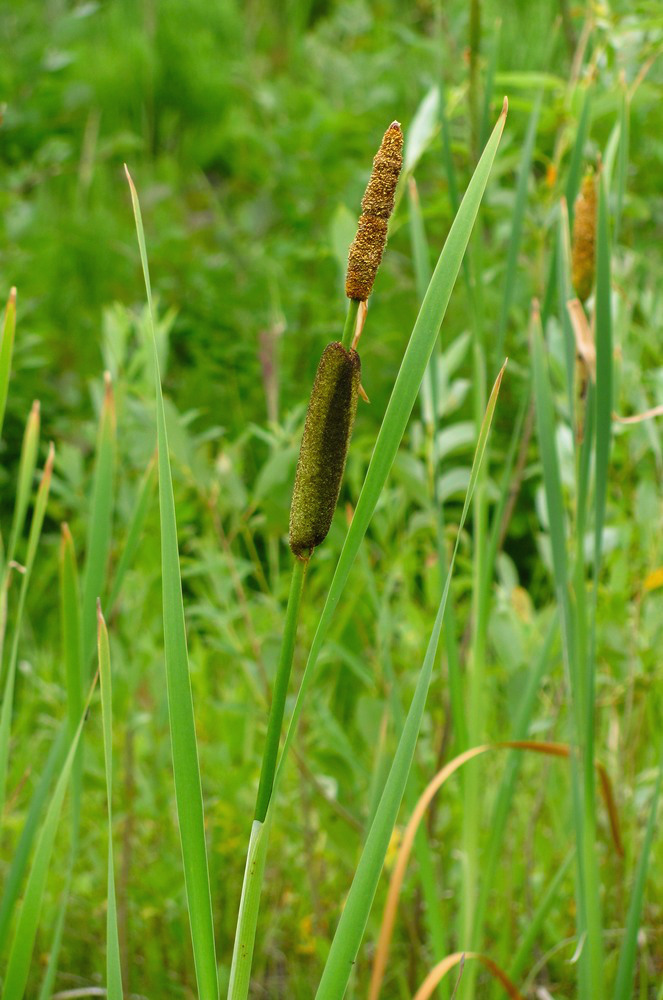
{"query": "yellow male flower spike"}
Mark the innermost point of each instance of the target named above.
(324, 448)
(376, 207)
(583, 248)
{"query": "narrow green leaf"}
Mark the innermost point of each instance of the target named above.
(564, 293)
(626, 968)
(72, 655)
(70, 616)
(136, 526)
(538, 919)
(21, 855)
(507, 786)
(8, 696)
(545, 415)
(422, 130)
(186, 769)
(26, 471)
(113, 969)
(622, 159)
(352, 923)
(99, 521)
(20, 955)
(447, 151)
(603, 370)
(24, 483)
(6, 350)
(517, 220)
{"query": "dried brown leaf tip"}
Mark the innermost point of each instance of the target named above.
(329, 419)
(376, 207)
(583, 247)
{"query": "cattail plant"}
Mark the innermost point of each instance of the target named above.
(350, 931)
(328, 427)
(323, 452)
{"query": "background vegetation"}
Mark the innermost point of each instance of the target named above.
(249, 129)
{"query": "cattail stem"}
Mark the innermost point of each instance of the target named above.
(280, 689)
(350, 323)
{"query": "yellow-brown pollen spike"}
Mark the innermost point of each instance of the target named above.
(376, 207)
(583, 246)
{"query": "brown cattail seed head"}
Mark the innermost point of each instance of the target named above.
(583, 250)
(329, 419)
(376, 207)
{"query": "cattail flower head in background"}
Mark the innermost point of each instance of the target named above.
(376, 207)
(329, 419)
(583, 247)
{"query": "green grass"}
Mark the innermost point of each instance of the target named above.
(250, 133)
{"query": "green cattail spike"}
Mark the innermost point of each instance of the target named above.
(324, 448)
(376, 207)
(583, 247)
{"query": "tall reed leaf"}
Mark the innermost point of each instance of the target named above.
(113, 970)
(20, 955)
(99, 521)
(24, 482)
(354, 917)
(188, 791)
(603, 368)
(21, 855)
(135, 530)
(8, 695)
(6, 350)
(626, 968)
(517, 220)
(72, 652)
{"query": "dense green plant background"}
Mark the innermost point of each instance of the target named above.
(249, 129)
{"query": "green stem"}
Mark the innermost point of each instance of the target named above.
(280, 690)
(350, 323)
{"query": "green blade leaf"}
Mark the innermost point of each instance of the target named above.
(517, 220)
(8, 696)
(136, 525)
(100, 521)
(6, 350)
(626, 968)
(186, 769)
(113, 969)
(20, 955)
(351, 926)
(24, 482)
(21, 855)
(603, 370)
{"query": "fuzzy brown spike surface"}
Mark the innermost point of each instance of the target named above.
(583, 249)
(376, 207)
(329, 420)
